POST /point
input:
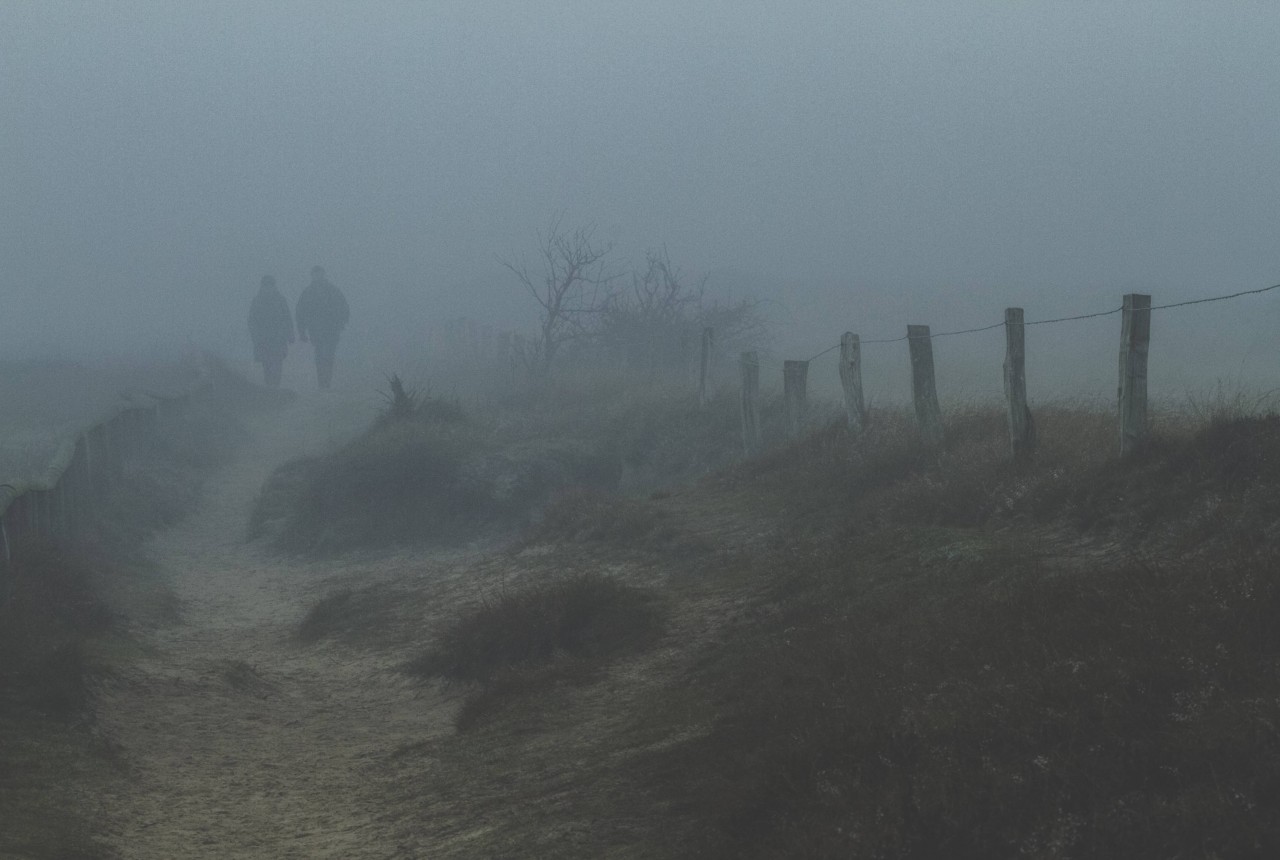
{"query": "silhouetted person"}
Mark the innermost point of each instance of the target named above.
(271, 329)
(322, 313)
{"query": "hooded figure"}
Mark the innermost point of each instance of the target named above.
(322, 313)
(271, 329)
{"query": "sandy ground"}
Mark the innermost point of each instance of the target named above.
(239, 742)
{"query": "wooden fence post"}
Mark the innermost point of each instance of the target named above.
(924, 391)
(1135, 337)
(704, 373)
(750, 364)
(1021, 427)
(851, 381)
(795, 381)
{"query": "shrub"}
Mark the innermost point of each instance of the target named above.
(986, 707)
(526, 641)
(350, 614)
(400, 481)
(586, 615)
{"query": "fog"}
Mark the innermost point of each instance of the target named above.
(858, 166)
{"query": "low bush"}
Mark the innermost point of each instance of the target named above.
(524, 640)
(916, 683)
(349, 614)
(588, 615)
(400, 481)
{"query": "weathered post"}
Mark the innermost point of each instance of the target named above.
(924, 391)
(1135, 337)
(704, 373)
(795, 381)
(1021, 428)
(750, 364)
(851, 381)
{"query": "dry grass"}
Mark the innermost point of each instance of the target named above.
(920, 679)
(402, 481)
(352, 615)
(929, 652)
(426, 473)
(526, 639)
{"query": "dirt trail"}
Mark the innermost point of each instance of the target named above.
(240, 742)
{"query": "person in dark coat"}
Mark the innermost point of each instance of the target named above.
(322, 313)
(271, 329)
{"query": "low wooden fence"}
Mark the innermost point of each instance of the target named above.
(58, 503)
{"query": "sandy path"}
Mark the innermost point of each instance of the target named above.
(239, 741)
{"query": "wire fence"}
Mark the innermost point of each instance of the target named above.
(1107, 313)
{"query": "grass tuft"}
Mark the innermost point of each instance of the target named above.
(586, 615)
(528, 639)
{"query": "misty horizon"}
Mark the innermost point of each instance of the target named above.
(862, 167)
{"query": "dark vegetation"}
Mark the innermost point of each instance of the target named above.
(539, 635)
(927, 652)
(428, 471)
(418, 472)
(352, 615)
(874, 647)
(951, 657)
(66, 608)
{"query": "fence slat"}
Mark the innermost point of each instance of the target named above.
(851, 381)
(924, 391)
(1135, 338)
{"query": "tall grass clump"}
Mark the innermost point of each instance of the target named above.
(403, 479)
(49, 606)
(519, 640)
(988, 706)
(919, 679)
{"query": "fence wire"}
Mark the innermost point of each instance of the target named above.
(1058, 319)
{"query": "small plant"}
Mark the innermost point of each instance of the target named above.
(587, 615)
(527, 640)
(403, 404)
(349, 614)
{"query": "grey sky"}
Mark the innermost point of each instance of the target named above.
(868, 164)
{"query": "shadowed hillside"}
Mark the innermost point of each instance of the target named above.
(875, 648)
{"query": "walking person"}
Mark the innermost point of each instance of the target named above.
(271, 330)
(322, 313)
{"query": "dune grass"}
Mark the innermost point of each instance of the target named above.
(930, 651)
(1071, 658)
(533, 637)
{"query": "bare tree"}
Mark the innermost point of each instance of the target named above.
(573, 285)
(649, 321)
